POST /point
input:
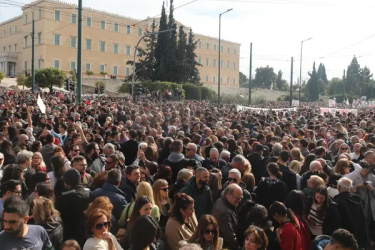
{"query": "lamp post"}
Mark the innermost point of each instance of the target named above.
(219, 63)
(135, 52)
(300, 71)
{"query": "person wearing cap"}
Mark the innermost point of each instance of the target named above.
(72, 203)
(257, 161)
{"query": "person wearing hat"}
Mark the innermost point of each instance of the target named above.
(72, 203)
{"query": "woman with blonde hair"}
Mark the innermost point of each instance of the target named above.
(46, 216)
(161, 193)
(296, 155)
(37, 163)
(341, 128)
(295, 166)
(246, 167)
(144, 189)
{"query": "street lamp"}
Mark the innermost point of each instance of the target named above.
(219, 63)
(300, 71)
(135, 52)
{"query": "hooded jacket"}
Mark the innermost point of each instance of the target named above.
(320, 242)
(352, 216)
(270, 190)
(48, 152)
(202, 197)
(176, 161)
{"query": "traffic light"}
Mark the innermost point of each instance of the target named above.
(102, 89)
(71, 85)
(67, 84)
(96, 90)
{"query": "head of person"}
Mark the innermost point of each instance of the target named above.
(45, 190)
(184, 175)
(72, 178)
(145, 189)
(74, 150)
(342, 240)
(182, 208)
(23, 140)
(177, 146)
(233, 194)
(214, 155)
(342, 167)
(295, 200)
(114, 177)
(70, 245)
(365, 168)
(98, 222)
(357, 148)
(145, 231)
(160, 189)
(133, 173)
(111, 161)
(315, 166)
(11, 187)
(101, 202)
(315, 181)
(344, 185)
(15, 215)
(109, 149)
(255, 239)
(57, 164)
(370, 157)
(238, 162)
(258, 216)
(207, 232)
(202, 177)
(142, 206)
(234, 176)
(295, 166)
(92, 150)
(79, 163)
(344, 148)
(44, 210)
(280, 213)
(24, 158)
(321, 199)
(225, 155)
(191, 149)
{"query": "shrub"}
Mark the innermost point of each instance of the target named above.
(89, 73)
(206, 93)
(99, 83)
(192, 91)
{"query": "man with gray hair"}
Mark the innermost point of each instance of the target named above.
(183, 177)
(276, 149)
(111, 190)
(109, 149)
(197, 187)
(224, 210)
(214, 161)
(24, 159)
(237, 162)
(225, 155)
(351, 211)
(234, 177)
(191, 153)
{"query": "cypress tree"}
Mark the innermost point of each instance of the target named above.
(192, 70)
(161, 47)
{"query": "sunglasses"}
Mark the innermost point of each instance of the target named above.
(101, 225)
(208, 231)
(232, 179)
(188, 149)
(165, 189)
(76, 150)
(344, 148)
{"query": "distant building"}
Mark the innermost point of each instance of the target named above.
(108, 43)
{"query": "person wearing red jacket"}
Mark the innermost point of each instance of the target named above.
(288, 233)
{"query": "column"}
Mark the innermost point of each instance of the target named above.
(15, 69)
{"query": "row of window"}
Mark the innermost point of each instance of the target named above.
(215, 47)
(221, 80)
(32, 16)
(10, 49)
(214, 63)
(10, 31)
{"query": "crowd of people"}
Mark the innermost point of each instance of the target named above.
(115, 174)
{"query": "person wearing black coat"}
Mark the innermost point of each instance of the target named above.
(288, 176)
(130, 182)
(165, 151)
(351, 212)
(257, 161)
(331, 218)
(130, 148)
(176, 160)
(71, 204)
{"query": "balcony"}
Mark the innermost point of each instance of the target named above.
(8, 63)
(9, 56)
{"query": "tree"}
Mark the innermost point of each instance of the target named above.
(280, 83)
(49, 77)
(89, 73)
(99, 83)
(21, 81)
(161, 46)
(313, 86)
(2, 75)
(353, 78)
(192, 70)
(73, 75)
(243, 80)
(181, 75)
(264, 77)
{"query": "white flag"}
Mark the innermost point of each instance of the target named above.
(41, 105)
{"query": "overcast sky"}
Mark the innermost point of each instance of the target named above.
(275, 27)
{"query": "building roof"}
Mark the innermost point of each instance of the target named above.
(11, 20)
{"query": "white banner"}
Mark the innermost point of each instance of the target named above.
(41, 105)
(295, 103)
(371, 104)
(332, 103)
(341, 111)
(243, 108)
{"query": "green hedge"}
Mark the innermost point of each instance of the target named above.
(192, 92)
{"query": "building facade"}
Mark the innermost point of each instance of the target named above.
(108, 42)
